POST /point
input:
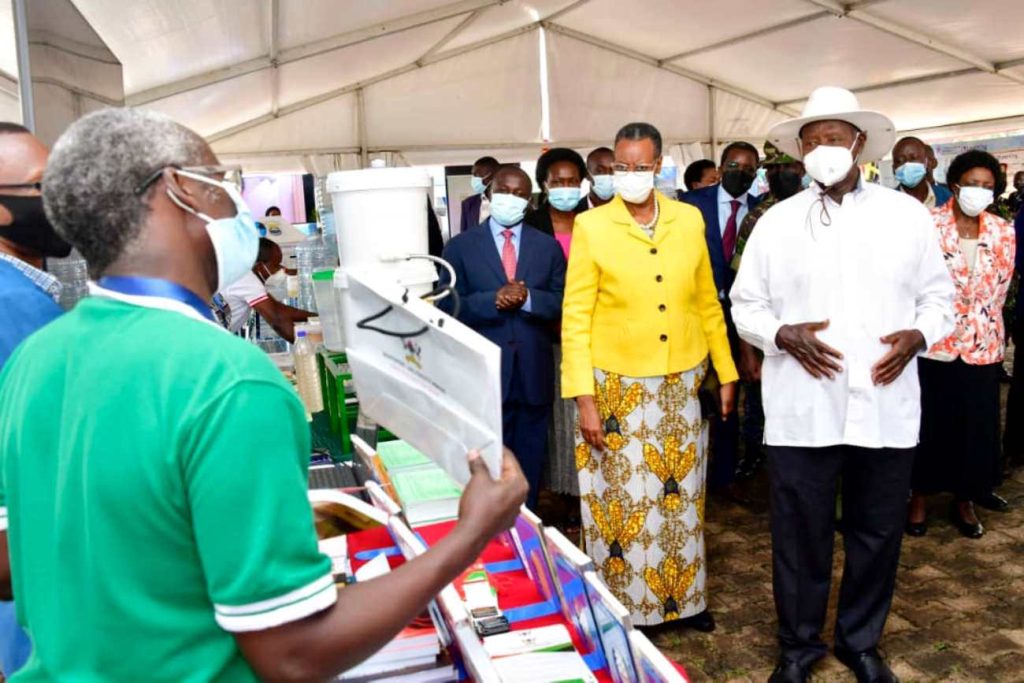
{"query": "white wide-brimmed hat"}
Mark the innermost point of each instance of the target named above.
(829, 103)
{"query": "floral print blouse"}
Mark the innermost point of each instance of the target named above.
(979, 337)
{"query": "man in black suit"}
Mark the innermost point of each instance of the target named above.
(477, 207)
(724, 206)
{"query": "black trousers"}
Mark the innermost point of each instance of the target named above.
(804, 483)
(725, 440)
(725, 449)
(1013, 437)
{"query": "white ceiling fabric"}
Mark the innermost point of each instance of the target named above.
(313, 83)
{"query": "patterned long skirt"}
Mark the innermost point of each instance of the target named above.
(561, 472)
(643, 498)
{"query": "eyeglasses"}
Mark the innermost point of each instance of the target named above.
(227, 174)
(635, 168)
(38, 187)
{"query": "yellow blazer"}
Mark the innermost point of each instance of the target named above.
(636, 306)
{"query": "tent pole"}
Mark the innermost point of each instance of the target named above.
(273, 42)
(364, 152)
(711, 121)
(352, 87)
(28, 113)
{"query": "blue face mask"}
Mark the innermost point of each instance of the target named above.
(911, 174)
(604, 186)
(235, 239)
(806, 182)
(564, 198)
(478, 185)
(508, 209)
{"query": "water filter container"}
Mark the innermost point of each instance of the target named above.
(381, 217)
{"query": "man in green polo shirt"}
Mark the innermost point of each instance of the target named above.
(157, 531)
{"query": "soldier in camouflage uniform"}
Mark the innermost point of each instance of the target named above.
(785, 178)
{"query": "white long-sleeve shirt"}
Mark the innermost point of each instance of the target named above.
(871, 266)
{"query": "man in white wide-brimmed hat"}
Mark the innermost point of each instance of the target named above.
(841, 286)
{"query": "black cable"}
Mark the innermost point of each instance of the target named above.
(364, 324)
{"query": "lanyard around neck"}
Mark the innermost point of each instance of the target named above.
(136, 285)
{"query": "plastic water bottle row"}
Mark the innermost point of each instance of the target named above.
(312, 255)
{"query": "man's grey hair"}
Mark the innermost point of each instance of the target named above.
(89, 188)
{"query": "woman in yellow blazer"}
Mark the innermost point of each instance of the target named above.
(639, 318)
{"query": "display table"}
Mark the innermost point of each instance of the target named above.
(559, 587)
(518, 597)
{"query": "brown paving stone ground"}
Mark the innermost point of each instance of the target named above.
(958, 612)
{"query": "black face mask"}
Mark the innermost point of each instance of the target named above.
(785, 184)
(736, 183)
(30, 227)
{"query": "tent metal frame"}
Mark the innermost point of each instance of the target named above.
(471, 10)
(432, 57)
(910, 35)
(313, 49)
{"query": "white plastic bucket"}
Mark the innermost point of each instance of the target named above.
(381, 216)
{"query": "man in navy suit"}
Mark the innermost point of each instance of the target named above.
(476, 208)
(724, 206)
(510, 278)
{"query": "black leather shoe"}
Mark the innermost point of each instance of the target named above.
(993, 502)
(967, 530)
(917, 528)
(787, 671)
(703, 622)
(750, 463)
(867, 666)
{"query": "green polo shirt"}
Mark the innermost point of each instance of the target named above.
(154, 473)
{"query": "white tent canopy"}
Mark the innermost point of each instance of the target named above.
(322, 84)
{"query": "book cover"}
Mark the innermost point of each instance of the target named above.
(398, 455)
(554, 638)
(563, 667)
(614, 626)
(339, 513)
(427, 495)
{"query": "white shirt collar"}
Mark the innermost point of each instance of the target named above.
(497, 228)
(724, 197)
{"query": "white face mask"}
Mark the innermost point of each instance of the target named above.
(634, 187)
(277, 284)
(974, 200)
(828, 165)
(235, 239)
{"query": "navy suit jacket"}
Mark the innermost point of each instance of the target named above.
(525, 338)
(470, 213)
(706, 199)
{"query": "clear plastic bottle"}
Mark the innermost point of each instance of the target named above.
(307, 373)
